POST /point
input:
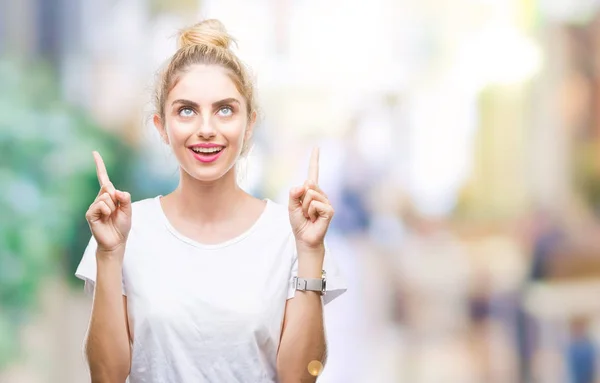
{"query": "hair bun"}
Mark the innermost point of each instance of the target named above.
(208, 32)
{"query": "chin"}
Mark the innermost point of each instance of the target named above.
(210, 174)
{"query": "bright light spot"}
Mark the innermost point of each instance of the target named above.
(315, 368)
(499, 55)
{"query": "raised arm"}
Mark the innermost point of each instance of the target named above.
(303, 336)
(107, 343)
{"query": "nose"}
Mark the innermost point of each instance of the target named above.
(206, 130)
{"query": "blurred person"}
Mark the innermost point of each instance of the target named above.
(354, 217)
(207, 283)
(433, 267)
(581, 353)
(547, 235)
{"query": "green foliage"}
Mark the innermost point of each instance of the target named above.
(47, 181)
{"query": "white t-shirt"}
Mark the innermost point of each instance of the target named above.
(207, 313)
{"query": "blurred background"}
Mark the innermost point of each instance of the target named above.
(460, 145)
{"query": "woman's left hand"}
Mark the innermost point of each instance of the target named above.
(310, 210)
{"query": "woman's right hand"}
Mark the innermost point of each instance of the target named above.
(109, 216)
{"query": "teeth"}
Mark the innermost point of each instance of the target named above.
(206, 150)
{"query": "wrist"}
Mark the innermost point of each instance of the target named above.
(113, 256)
(310, 260)
(305, 250)
(310, 267)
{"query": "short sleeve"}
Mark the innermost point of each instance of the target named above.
(86, 270)
(336, 285)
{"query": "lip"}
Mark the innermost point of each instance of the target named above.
(204, 158)
(206, 145)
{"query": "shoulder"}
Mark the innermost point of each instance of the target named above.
(145, 212)
(144, 206)
(277, 217)
(278, 212)
(145, 203)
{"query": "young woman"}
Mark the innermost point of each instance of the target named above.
(207, 283)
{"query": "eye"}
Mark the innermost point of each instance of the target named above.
(186, 112)
(225, 111)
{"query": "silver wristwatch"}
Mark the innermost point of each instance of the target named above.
(316, 284)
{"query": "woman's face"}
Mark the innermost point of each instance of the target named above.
(206, 122)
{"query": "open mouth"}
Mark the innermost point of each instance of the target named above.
(206, 155)
(207, 151)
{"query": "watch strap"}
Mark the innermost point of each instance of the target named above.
(311, 284)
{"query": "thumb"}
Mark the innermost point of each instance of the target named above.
(124, 199)
(295, 197)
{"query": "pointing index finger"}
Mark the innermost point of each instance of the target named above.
(101, 170)
(313, 167)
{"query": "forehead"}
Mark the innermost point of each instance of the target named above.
(204, 84)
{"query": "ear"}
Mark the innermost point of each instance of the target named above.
(161, 128)
(248, 133)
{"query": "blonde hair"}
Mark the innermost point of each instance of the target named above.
(205, 43)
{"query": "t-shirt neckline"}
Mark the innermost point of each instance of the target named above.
(195, 243)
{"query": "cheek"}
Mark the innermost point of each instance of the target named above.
(178, 131)
(234, 132)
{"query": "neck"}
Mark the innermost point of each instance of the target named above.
(208, 201)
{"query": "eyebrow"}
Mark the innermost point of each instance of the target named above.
(193, 104)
